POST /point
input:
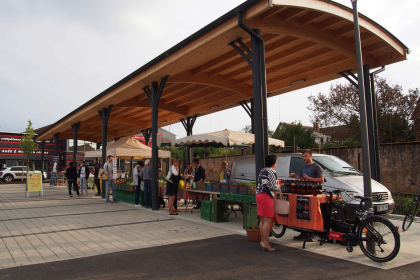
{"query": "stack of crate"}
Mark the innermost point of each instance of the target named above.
(206, 210)
(219, 211)
(250, 215)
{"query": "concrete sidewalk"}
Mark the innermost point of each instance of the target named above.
(38, 230)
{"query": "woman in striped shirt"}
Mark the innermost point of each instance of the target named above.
(267, 184)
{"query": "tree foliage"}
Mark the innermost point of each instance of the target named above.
(304, 137)
(341, 107)
(27, 143)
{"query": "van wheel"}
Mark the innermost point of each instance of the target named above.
(8, 178)
(278, 230)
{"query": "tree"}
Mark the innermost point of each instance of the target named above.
(27, 143)
(341, 107)
(247, 129)
(304, 137)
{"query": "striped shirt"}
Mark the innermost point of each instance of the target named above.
(267, 181)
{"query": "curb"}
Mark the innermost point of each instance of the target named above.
(401, 217)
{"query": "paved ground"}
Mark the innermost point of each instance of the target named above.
(85, 238)
(226, 257)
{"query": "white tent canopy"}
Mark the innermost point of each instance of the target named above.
(127, 147)
(224, 138)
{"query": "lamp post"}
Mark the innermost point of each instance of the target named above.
(367, 181)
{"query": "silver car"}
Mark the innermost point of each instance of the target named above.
(9, 174)
(337, 173)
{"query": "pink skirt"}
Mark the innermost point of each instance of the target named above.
(265, 205)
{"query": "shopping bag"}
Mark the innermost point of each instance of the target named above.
(142, 186)
(181, 185)
(102, 175)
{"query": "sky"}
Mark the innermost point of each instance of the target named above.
(57, 55)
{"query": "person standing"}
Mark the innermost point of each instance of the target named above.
(97, 181)
(108, 169)
(199, 176)
(188, 178)
(267, 184)
(172, 186)
(224, 173)
(146, 175)
(71, 175)
(310, 171)
(137, 180)
(84, 176)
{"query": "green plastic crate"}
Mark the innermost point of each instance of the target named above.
(219, 211)
(224, 196)
(248, 198)
(206, 205)
(205, 214)
(241, 197)
(130, 197)
(250, 215)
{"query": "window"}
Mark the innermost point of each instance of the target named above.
(296, 164)
(16, 168)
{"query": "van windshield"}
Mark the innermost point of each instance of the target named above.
(336, 167)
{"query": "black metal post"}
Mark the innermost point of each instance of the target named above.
(258, 105)
(104, 114)
(56, 139)
(367, 181)
(188, 124)
(146, 134)
(358, 161)
(264, 96)
(131, 167)
(42, 159)
(363, 120)
(154, 96)
(369, 119)
(375, 127)
(75, 127)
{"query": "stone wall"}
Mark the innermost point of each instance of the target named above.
(399, 162)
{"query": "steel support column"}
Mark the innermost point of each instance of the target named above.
(188, 124)
(75, 127)
(257, 54)
(56, 139)
(154, 95)
(42, 159)
(369, 119)
(146, 134)
(375, 126)
(104, 114)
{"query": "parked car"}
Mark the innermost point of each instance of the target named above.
(9, 174)
(337, 173)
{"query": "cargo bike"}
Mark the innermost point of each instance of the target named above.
(376, 236)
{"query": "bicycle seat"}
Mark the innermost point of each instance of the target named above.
(363, 198)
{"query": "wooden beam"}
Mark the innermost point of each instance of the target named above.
(292, 13)
(309, 18)
(343, 31)
(216, 81)
(328, 23)
(134, 103)
(374, 47)
(309, 32)
(271, 12)
(191, 90)
(282, 55)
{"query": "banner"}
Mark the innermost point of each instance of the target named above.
(34, 182)
(53, 180)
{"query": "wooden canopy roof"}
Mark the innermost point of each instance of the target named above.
(305, 40)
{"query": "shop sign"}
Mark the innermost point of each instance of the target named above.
(303, 208)
(34, 182)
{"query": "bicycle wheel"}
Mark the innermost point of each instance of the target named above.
(384, 236)
(409, 217)
(278, 230)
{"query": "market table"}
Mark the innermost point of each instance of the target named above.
(305, 211)
(197, 193)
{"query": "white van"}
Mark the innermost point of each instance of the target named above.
(338, 174)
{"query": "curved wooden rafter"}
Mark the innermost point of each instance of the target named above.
(135, 103)
(216, 81)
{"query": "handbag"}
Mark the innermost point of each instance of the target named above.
(102, 175)
(168, 177)
(281, 206)
(181, 185)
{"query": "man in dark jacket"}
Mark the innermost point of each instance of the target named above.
(83, 175)
(71, 175)
(199, 176)
(97, 182)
